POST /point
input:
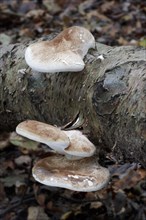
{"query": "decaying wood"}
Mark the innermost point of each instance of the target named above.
(109, 96)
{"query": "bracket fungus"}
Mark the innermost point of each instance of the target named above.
(73, 144)
(64, 53)
(44, 133)
(79, 147)
(77, 169)
(85, 175)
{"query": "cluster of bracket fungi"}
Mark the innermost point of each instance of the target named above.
(73, 164)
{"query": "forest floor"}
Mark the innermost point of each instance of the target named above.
(21, 197)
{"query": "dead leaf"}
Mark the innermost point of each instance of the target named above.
(11, 180)
(37, 213)
(122, 41)
(4, 140)
(35, 14)
(96, 205)
(142, 42)
(41, 199)
(20, 188)
(8, 164)
(24, 143)
(98, 15)
(23, 159)
(107, 5)
(130, 179)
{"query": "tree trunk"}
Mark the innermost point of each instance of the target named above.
(108, 96)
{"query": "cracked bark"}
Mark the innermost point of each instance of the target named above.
(109, 96)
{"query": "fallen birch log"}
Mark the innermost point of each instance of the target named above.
(107, 98)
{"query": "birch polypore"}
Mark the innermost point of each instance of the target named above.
(64, 53)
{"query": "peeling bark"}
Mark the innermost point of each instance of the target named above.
(109, 96)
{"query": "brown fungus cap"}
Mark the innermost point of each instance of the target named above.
(64, 53)
(83, 175)
(44, 133)
(79, 147)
